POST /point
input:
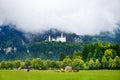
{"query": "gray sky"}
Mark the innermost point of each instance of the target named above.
(79, 16)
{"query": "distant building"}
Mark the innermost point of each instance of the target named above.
(58, 39)
(68, 68)
(28, 51)
(8, 50)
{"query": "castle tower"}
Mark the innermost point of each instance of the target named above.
(61, 35)
(61, 38)
(49, 38)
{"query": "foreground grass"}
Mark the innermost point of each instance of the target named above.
(51, 75)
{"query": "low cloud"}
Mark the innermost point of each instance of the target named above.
(79, 16)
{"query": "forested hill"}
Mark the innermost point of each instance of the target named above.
(15, 44)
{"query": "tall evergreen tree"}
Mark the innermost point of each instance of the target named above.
(91, 64)
(62, 56)
(97, 64)
(104, 62)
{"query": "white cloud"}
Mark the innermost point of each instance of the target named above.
(79, 16)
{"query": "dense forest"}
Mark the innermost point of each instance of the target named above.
(101, 48)
(91, 56)
(15, 44)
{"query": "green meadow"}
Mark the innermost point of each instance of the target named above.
(52, 75)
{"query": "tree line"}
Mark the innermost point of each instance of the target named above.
(93, 56)
(77, 63)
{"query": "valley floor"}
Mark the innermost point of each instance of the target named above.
(52, 75)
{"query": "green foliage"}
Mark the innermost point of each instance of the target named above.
(6, 65)
(47, 64)
(97, 64)
(104, 62)
(54, 64)
(77, 53)
(17, 63)
(60, 63)
(9, 65)
(91, 64)
(62, 56)
(37, 63)
(22, 66)
(117, 61)
(110, 53)
(97, 50)
(53, 50)
(77, 63)
(27, 63)
(92, 56)
(2, 65)
(112, 64)
(96, 45)
(67, 62)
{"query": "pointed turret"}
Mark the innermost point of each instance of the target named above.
(49, 38)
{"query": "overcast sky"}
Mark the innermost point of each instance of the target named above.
(79, 16)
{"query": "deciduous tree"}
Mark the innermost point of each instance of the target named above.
(27, 63)
(97, 64)
(91, 64)
(17, 63)
(67, 62)
(78, 63)
(37, 63)
(104, 62)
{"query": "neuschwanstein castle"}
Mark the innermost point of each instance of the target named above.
(58, 39)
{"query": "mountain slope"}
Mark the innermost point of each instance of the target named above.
(15, 44)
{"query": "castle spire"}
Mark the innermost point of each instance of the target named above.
(61, 35)
(49, 38)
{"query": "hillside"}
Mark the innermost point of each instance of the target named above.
(15, 44)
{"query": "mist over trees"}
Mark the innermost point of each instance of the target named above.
(81, 52)
(15, 44)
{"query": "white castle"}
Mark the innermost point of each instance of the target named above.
(58, 39)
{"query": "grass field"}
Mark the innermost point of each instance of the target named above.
(51, 75)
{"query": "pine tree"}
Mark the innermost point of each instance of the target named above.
(62, 56)
(97, 64)
(104, 62)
